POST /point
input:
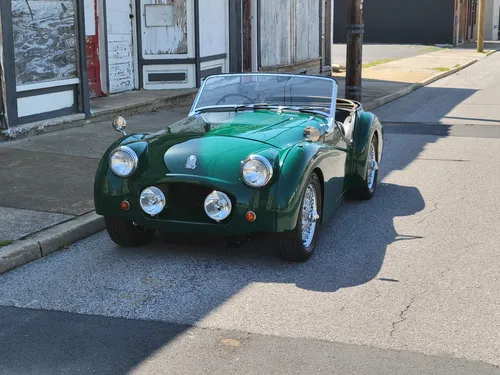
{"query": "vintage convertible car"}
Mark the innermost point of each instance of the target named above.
(258, 153)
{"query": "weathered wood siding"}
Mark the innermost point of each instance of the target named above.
(306, 30)
(120, 53)
(213, 27)
(289, 31)
(275, 22)
(172, 37)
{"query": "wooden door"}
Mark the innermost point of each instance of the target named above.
(120, 45)
(92, 48)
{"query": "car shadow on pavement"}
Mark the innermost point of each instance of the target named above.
(188, 283)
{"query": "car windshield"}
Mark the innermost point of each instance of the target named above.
(264, 90)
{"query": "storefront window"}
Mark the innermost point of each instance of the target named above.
(44, 40)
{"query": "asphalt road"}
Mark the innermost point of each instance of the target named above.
(406, 283)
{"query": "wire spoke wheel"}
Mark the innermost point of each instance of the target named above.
(372, 166)
(309, 215)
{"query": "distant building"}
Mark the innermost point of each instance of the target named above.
(419, 22)
(59, 53)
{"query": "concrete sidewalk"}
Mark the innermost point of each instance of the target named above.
(46, 195)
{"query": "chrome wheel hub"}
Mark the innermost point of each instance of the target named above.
(309, 215)
(372, 166)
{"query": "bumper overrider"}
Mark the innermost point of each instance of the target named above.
(181, 201)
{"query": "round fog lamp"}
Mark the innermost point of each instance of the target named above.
(217, 206)
(152, 200)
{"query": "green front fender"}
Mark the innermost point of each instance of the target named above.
(103, 174)
(367, 126)
(301, 161)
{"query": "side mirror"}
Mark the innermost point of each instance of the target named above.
(119, 124)
(312, 134)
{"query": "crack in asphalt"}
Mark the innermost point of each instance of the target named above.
(403, 315)
(429, 213)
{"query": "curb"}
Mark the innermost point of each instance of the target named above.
(48, 241)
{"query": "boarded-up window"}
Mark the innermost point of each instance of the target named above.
(165, 27)
(44, 40)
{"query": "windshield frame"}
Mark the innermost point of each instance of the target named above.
(193, 111)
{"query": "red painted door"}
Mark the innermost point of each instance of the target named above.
(93, 66)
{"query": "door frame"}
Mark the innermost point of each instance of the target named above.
(135, 19)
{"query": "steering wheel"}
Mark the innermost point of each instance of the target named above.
(250, 100)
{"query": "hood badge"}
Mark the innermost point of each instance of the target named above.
(191, 162)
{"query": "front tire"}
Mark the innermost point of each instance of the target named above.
(299, 244)
(126, 233)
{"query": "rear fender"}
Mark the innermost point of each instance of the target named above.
(367, 125)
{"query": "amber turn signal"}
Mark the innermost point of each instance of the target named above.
(250, 216)
(124, 205)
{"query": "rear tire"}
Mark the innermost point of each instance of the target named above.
(295, 246)
(127, 234)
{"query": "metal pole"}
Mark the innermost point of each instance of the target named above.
(82, 57)
(9, 63)
(355, 30)
(480, 30)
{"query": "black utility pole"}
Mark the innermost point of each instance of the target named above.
(355, 29)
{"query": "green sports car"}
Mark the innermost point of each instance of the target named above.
(258, 153)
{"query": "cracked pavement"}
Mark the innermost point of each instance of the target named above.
(412, 274)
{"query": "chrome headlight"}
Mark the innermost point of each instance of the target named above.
(217, 205)
(123, 161)
(256, 171)
(152, 200)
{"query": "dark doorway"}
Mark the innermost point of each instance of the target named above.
(247, 35)
(235, 32)
(471, 20)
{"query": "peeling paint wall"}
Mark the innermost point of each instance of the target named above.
(165, 27)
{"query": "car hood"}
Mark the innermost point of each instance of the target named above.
(215, 144)
(270, 127)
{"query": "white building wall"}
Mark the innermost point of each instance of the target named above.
(491, 20)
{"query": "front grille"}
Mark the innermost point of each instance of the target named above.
(188, 196)
(185, 202)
